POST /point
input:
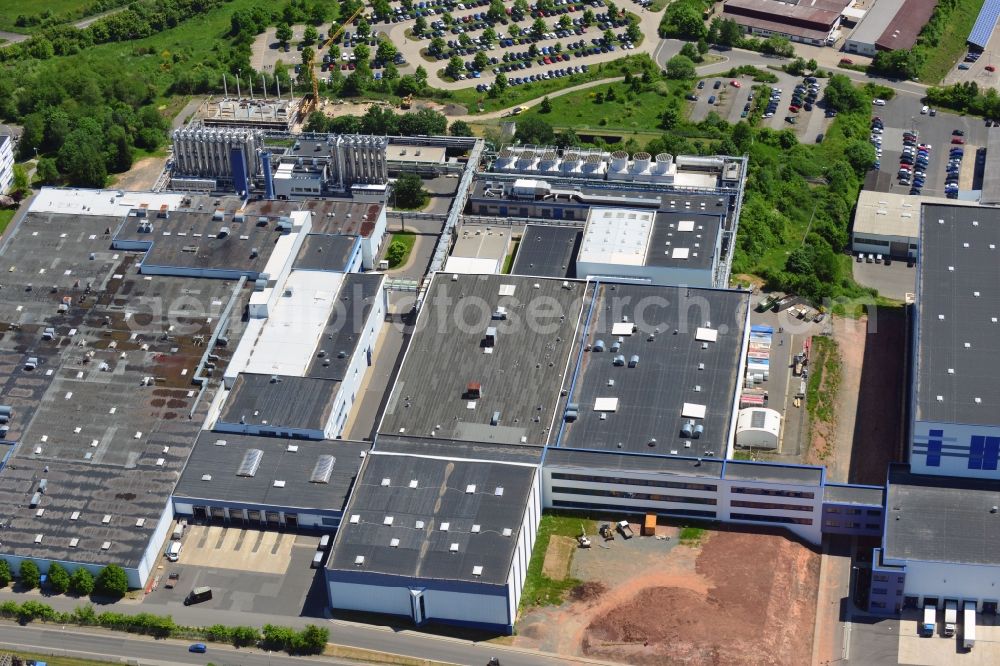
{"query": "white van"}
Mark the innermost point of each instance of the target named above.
(174, 551)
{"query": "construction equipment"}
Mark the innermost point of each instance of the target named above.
(406, 102)
(607, 532)
(335, 34)
(582, 539)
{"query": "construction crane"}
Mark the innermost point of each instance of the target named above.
(333, 35)
(313, 104)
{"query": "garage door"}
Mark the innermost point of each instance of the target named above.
(900, 250)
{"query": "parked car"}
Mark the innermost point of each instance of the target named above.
(878, 102)
(990, 68)
(846, 61)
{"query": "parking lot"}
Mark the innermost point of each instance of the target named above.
(893, 281)
(259, 571)
(903, 114)
(569, 38)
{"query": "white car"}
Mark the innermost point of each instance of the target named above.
(924, 110)
(878, 102)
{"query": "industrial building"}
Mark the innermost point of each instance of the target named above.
(940, 537)
(6, 162)
(209, 158)
(547, 251)
(888, 223)
(480, 248)
(985, 23)
(758, 428)
(890, 25)
(439, 534)
(816, 22)
(269, 115)
(990, 194)
(267, 482)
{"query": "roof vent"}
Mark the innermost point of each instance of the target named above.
(355, 519)
(386, 482)
(453, 548)
(469, 489)
(74, 542)
(38, 538)
(475, 529)
(106, 519)
(499, 491)
(323, 469)
(279, 484)
(206, 477)
(140, 522)
(419, 524)
(507, 531)
(477, 570)
(250, 463)
(74, 516)
(445, 526)
(106, 545)
(359, 560)
(414, 483)
(387, 520)
(394, 543)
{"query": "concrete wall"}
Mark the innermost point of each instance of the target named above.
(944, 580)
(852, 519)
(6, 164)
(358, 368)
(371, 245)
(151, 557)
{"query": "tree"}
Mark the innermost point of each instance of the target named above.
(671, 116)
(464, 39)
(776, 45)
(420, 25)
(680, 68)
(860, 154)
(499, 85)
(519, 10)
(58, 578)
(318, 13)
(538, 28)
(730, 32)
(812, 65)
(481, 61)
(424, 121)
(316, 122)
(29, 575)
(613, 10)
(311, 640)
(20, 187)
(460, 128)
(283, 34)
(545, 106)
(81, 158)
(496, 11)
(488, 37)
(364, 30)
(5, 575)
(386, 51)
(841, 95)
(420, 76)
(689, 50)
(534, 130)
(436, 46)
(112, 581)
(683, 21)
(81, 582)
(455, 67)
(277, 638)
(609, 37)
(588, 17)
(633, 32)
(409, 191)
(308, 55)
(310, 35)
(244, 636)
(363, 54)
(565, 22)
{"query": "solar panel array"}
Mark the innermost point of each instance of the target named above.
(985, 23)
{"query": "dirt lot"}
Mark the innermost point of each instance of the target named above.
(650, 601)
(142, 175)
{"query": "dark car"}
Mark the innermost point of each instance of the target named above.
(692, 97)
(717, 85)
(198, 647)
(701, 84)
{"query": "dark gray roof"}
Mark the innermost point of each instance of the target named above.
(280, 402)
(958, 296)
(547, 251)
(652, 395)
(699, 242)
(521, 377)
(941, 519)
(799, 475)
(452, 448)
(476, 520)
(345, 326)
(290, 460)
(325, 252)
(853, 495)
(193, 239)
(343, 216)
(633, 462)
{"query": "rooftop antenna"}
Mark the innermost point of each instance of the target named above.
(225, 88)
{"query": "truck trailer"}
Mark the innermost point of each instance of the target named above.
(969, 625)
(950, 617)
(930, 620)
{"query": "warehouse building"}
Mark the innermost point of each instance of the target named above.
(888, 223)
(547, 251)
(984, 26)
(816, 22)
(439, 535)
(479, 248)
(890, 25)
(267, 482)
(990, 194)
(351, 217)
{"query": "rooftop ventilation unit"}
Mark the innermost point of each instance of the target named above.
(477, 570)
(359, 560)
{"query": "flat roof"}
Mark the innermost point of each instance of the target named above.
(434, 518)
(881, 214)
(688, 371)
(853, 495)
(345, 325)
(684, 240)
(396, 152)
(519, 376)
(991, 169)
(482, 241)
(903, 30)
(296, 322)
(619, 236)
(816, 11)
(326, 252)
(796, 475)
(290, 462)
(343, 216)
(452, 448)
(958, 352)
(941, 519)
(986, 21)
(633, 462)
(280, 402)
(199, 239)
(86, 202)
(881, 15)
(547, 251)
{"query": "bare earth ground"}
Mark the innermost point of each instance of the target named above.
(736, 599)
(142, 175)
(557, 557)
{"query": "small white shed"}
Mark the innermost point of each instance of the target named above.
(758, 427)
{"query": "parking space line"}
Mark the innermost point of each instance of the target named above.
(222, 538)
(260, 539)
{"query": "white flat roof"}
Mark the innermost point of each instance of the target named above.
(290, 335)
(617, 236)
(100, 202)
(884, 214)
(472, 265)
(416, 154)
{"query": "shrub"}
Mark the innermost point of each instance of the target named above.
(5, 575)
(112, 581)
(58, 578)
(81, 582)
(244, 636)
(29, 575)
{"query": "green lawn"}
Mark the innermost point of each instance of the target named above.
(61, 661)
(5, 217)
(632, 112)
(11, 9)
(516, 95)
(539, 590)
(508, 261)
(941, 58)
(406, 239)
(691, 536)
